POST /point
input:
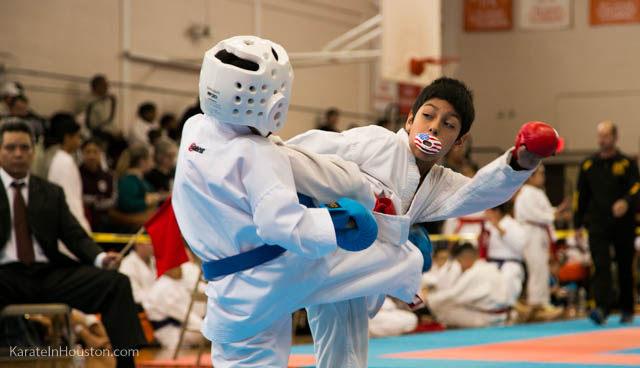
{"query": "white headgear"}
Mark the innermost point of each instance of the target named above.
(246, 80)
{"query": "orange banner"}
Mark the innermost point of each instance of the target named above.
(488, 15)
(614, 11)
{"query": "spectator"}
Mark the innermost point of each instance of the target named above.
(161, 176)
(443, 272)
(608, 182)
(154, 136)
(89, 330)
(139, 132)
(137, 200)
(98, 187)
(477, 298)
(385, 123)
(534, 211)
(169, 127)
(505, 249)
(31, 267)
(101, 110)
(63, 169)
(140, 266)
(189, 112)
(331, 120)
(469, 169)
(8, 91)
(394, 318)
(19, 106)
(167, 304)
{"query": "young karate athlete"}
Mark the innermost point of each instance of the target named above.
(266, 255)
(402, 166)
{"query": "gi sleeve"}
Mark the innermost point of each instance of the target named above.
(325, 142)
(279, 218)
(449, 194)
(327, 178)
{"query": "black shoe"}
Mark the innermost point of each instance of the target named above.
(626, 318)
(597, 316)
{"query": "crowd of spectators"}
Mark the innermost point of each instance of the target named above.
(107, 179)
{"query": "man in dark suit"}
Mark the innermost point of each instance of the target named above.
(33, 217)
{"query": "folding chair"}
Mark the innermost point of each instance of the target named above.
(196, 296)
(14, 310)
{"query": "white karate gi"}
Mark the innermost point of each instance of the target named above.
(442, 277)
(477, 298)
(170, 298)
(386, 160)
(469, 225)
(533, 210)
(141, 275)
(139, 132)
(64, 172)
(510, 248)
(235, 192)
(392, 321)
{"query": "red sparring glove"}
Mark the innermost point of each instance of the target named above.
(539, 138)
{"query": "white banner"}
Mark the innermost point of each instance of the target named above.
(544, 14)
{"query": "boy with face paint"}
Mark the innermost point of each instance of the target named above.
(402, 167)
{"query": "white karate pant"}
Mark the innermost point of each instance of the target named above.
(340, 328)
(536, 257)
(270, 348)
(340, 333)
(513, 274)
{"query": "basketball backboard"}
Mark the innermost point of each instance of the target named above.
(412, 29)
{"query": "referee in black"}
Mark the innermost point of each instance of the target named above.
(607, 184)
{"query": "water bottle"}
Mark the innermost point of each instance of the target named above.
(582, 301)
(572, 300)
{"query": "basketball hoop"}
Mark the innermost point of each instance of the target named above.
(417, 66)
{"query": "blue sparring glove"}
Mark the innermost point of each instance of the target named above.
(420, 238)
(355, 227)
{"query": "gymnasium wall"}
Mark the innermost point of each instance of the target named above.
(81, 38)
(570, 78)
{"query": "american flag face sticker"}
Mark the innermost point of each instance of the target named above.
(427, 143)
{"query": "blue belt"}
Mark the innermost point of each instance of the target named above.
(241, 262)
(247, 260)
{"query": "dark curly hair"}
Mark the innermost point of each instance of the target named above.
(454, 92)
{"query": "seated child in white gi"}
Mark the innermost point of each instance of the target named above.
(477, 298)
(443, 273)
(167, 303)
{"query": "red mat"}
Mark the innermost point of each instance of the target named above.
(300, 360)
(596, 347)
